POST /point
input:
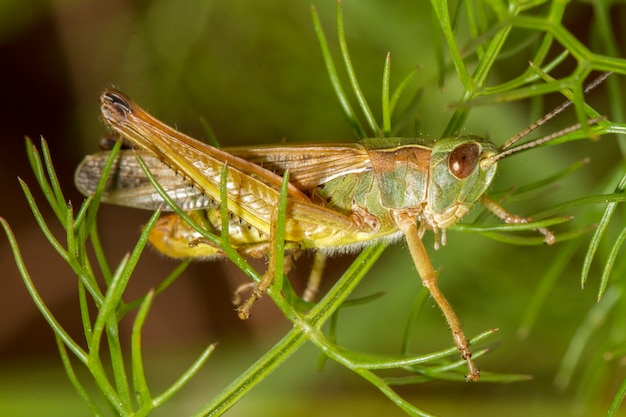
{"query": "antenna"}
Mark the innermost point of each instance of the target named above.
(550, 115)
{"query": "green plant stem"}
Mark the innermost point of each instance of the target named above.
(296, 337)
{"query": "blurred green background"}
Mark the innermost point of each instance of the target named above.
(255, 72)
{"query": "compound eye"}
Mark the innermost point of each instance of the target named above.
(463, 160)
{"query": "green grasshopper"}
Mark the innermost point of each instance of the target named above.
(340, 197)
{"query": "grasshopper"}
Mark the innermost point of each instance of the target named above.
(340, 197)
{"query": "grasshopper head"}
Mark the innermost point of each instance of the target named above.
(460, 172)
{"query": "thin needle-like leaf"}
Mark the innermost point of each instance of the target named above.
(385, 96)
(600, 231)
(140, 384)
(334, 77)
(41, 305)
